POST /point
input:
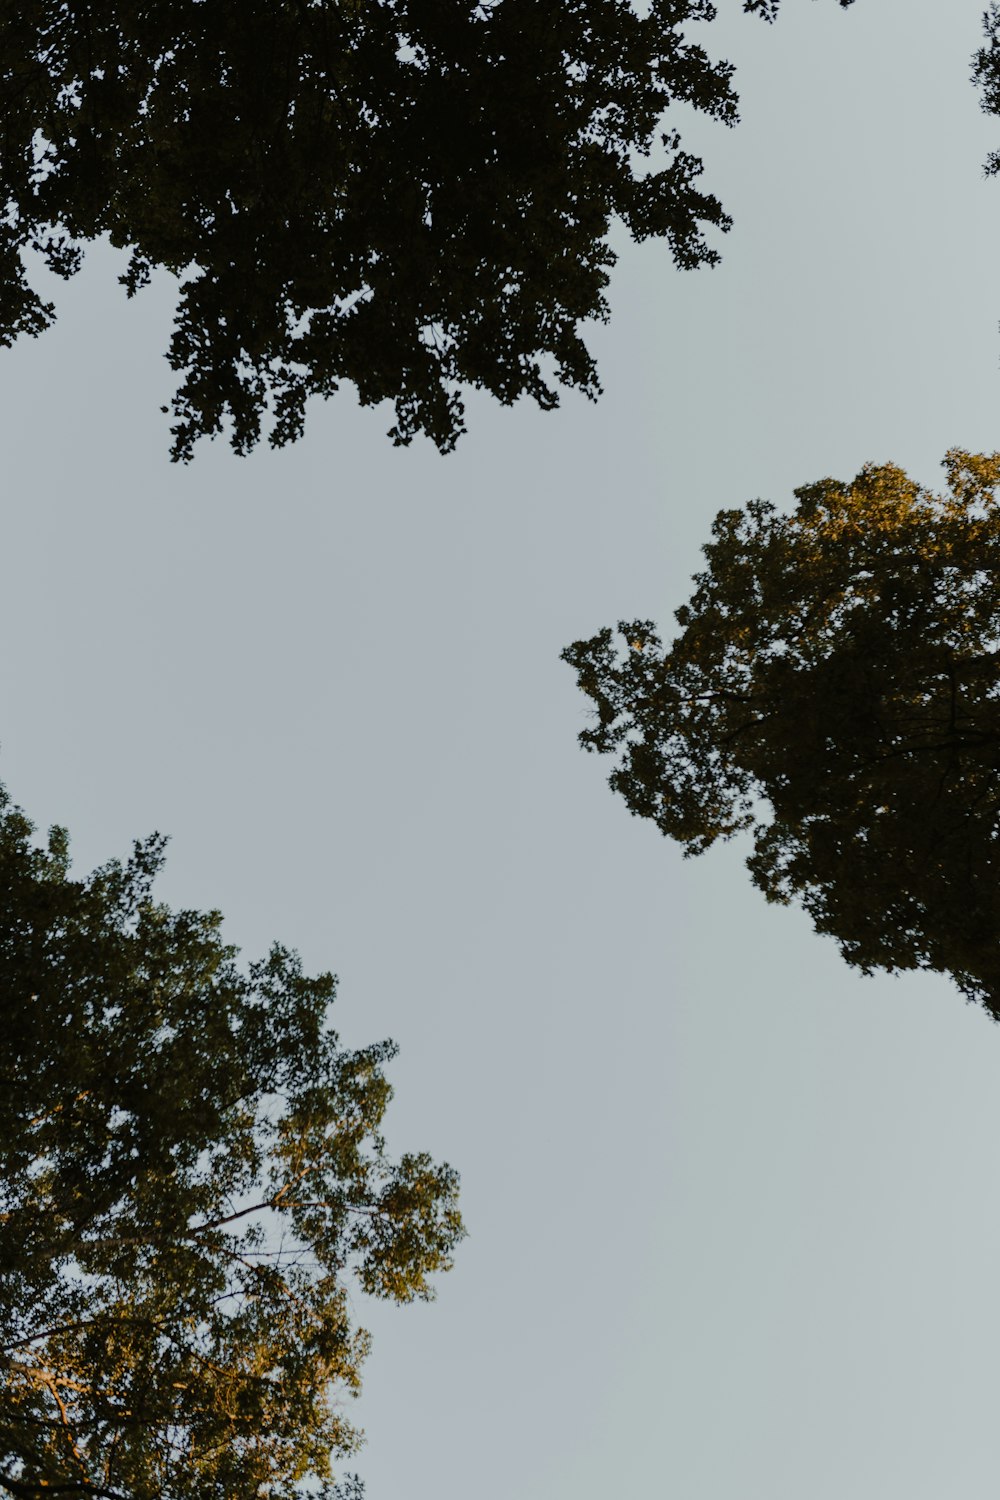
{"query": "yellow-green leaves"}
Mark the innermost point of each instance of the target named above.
(193, 1172)
(835, 687)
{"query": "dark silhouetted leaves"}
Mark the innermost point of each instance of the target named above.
(835, 689)
(413, 196)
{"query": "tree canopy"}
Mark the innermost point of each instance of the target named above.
(412, 196)
(193, 1173)
(986, 73)
(835, 690)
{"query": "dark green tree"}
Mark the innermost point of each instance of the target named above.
(413, 196)
(834, 689)
(986, 73)
(191, 1174)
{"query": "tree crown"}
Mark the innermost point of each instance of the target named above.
(413, 197)
(193, 1171)
(835, 690)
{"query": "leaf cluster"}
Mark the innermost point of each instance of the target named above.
(986, 73)
(193, 1172)
(412, 196)
(835, 690)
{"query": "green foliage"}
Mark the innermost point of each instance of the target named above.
(412, 196)
(986, 73)
(835, 689)
(192, 1170)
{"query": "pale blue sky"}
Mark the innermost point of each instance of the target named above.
(734, 1210)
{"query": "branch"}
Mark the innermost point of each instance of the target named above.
(52, 1386)
(41, 1489)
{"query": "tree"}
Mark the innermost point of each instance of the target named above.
(834, 689)
(986, 73)
(413, 196)
(191, 1170)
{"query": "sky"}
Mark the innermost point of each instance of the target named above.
(733, 1209)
